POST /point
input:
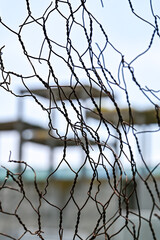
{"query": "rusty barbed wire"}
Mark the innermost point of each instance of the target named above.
(112, 190)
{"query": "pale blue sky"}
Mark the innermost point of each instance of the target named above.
(125, 31)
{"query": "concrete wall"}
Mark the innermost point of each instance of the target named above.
(58, 197)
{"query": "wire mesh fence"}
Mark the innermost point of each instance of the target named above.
(112, 192)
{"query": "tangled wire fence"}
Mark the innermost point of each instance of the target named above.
(113, 171)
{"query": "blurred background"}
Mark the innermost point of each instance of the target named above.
(24, 124)
(125, 31)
